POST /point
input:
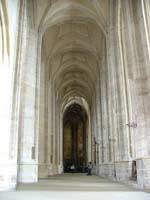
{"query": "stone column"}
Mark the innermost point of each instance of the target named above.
(54, 129)
(10, 19)
(8, 144)
(50, 128)
(120, 136)
(42, 118)
(93, 130)
(28, 160)
(136, 46)
(111, 101)
(99, 138)
(104, 113)
(58, 145)
(89, 138)
(60, 141)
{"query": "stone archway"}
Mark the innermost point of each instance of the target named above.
(74, 138)
(69, 69)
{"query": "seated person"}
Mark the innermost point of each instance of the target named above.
(72, 168)
(89, 169)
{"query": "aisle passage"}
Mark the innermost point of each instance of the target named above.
(76, 186)
(75, 182)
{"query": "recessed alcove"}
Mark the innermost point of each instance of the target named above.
(74, 138)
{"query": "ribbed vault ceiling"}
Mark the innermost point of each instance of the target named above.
(73, 42)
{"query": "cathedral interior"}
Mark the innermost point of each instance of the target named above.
(74, 88)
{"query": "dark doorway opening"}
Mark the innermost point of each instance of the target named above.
(134, 170)
(74, 138)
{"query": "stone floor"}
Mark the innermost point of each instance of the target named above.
(76, 186)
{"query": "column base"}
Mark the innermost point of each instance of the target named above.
(143, 173)
(46, 170)
(120, 171)
(28, 173)
(123, 170)
(106, 170)
(8, 177)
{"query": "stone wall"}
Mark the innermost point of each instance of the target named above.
(9, 21)
(143, 173)
(98, 59)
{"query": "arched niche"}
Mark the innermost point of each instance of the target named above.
(75, 136)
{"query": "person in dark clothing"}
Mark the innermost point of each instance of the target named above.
(89, 169)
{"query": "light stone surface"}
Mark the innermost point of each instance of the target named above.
(54, 53)
(75, 186)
